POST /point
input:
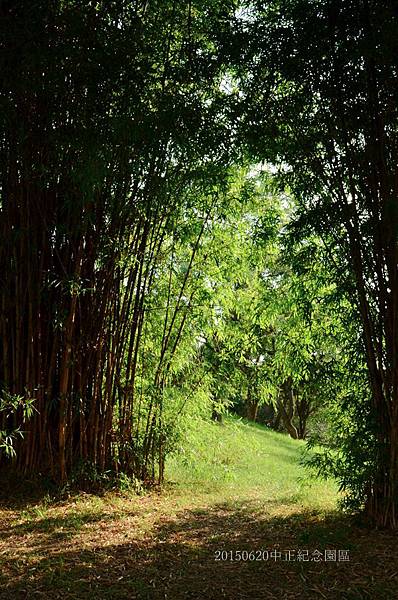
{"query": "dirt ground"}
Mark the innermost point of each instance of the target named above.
(154, 547)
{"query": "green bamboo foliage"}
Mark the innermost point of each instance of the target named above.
(106, 109)
(319, 99)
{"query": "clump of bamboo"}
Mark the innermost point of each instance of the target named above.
(102, 116)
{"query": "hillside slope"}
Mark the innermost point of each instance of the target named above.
(230, 524)
(238, 459)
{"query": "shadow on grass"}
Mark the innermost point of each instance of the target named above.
(56, 527)
(19, 491)
(177, 560)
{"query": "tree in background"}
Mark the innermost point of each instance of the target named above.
(269, 341)
(318, 91)
(139, 267)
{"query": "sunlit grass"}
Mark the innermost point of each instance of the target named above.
(234, 486)
(237, 459)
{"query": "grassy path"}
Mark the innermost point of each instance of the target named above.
(165, 545)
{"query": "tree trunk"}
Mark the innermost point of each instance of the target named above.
(286, 408)
(303, 412)
(251, 406)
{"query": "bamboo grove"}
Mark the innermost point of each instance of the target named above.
(105, 118)
(332, 125)
(124, 128)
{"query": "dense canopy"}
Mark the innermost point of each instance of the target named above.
(198, 214)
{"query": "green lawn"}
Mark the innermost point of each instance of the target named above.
(235, 488)
(238, 459)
